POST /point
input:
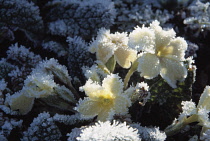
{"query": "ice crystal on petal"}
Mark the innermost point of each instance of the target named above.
(104, 100)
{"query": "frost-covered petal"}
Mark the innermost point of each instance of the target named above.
(188, 109)
(121, 103)
(88, 108)
(113, 84)
(162, 37)
(105, 114)
(142, 39)
(90, 87)
(172, 70)
(104, 53)
(149, 65)
(179, 47)
(205, 99)
(20, 102)
(125, 57)
(203, 117)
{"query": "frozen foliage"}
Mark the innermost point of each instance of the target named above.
(42, 128)
(105, 131)
(41, 84)
(68, 119)
(79, 18)
(20, 14)
(55, 47)
(18, 65)
(78, 55)
(198, 19)
(138, 14)
(191, 50)
(6, 33)
(206, 135)
(150, 134)
(9, 125)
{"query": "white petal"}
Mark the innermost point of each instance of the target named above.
(90, 88)
(125, 57)
(88, 108)
(149, 65)
(113, 84)
(142, 39)
(172, 70)
(179, 47)
(20, 102)
(205, 99)
(162, 37)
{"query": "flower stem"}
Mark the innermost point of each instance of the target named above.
(175, 128)
(130, 73)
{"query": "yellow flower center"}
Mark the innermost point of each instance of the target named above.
(106, 98)
(163, 51)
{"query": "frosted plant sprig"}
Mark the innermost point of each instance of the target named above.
(199, 17)
(41, 84)
(21, 14)
(105, 131)
(162, 53)
(192, 113)
(78, 18)
(111, 48)
(149, 134)
(104, 100)
(42, 128)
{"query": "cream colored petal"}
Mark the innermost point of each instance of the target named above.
(121, 104)
(113, 84)
(179, 46)
(124, 57)
(162, 37)
(91, 88)
(149, 66)
(20, 102)
(203, 117)
(88, 108)
(172, 70)
(104, 53)
(205, 99)
(105, 114)
(142, 39)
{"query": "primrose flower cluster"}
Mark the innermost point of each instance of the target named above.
(132, 81)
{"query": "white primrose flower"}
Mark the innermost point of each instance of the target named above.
(104, 100)
(107, 45)
(162, 53)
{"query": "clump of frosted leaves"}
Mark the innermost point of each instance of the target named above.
(139, 14)
(84, 18)
(22, 14)
(42, 128)
(149, 134)
(105, 131)
(18, 65)
(198, 19)
(56, 47)
(78, 55)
